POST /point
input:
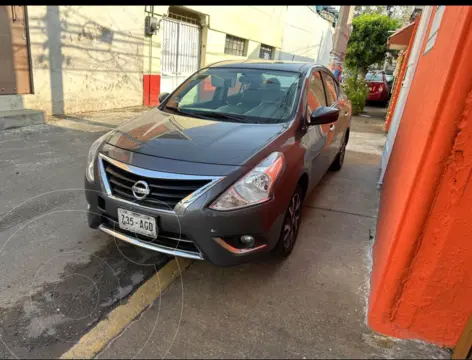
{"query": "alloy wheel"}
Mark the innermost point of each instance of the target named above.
(292, 221)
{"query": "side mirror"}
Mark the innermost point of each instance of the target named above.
(163, 96)
(324, 115)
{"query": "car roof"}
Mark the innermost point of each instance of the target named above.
(281, 65)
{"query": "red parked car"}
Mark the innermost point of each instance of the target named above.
(378, 86)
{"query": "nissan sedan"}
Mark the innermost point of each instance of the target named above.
(220, 169)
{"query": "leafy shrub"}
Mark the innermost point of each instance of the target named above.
(357, 91)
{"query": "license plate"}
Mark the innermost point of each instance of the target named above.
(137, 223)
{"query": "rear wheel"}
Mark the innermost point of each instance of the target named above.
(339, 161)
(289, 232)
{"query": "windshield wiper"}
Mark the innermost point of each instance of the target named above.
(209, 115)
(235, 118)
(187, 113)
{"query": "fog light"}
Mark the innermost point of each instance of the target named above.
(247, 240)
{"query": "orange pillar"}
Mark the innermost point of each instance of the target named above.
(421, 282)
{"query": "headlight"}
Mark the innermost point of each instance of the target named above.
(255, 187)
(92, 155)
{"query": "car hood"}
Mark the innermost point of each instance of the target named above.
(185, 138)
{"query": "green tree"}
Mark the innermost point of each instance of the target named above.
(368, 42)
(399, 12)
(367, 46)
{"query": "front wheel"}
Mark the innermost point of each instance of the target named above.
(289, 232)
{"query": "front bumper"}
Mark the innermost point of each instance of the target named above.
(149, 245)
(196, 233)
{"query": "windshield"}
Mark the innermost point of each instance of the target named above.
(374, 77)
(238, 95)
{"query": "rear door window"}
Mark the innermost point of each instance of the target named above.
(316, 90)
(315, 94)
(331, 88)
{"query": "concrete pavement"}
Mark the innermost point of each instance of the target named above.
(64, 278)
(312, 305)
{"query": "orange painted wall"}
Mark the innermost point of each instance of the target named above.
(421, 282)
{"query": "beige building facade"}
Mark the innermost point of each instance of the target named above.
(88, 58)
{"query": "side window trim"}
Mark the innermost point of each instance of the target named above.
(324, 87)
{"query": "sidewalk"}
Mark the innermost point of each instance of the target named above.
(96, 121)
(311, 305)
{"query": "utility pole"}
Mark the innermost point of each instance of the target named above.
(341, 37)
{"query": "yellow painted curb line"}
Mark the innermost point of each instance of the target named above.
(99, 336)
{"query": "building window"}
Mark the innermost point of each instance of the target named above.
(235, 45)
(266, 52)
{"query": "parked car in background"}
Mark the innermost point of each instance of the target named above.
(220, 169)
(379, 90)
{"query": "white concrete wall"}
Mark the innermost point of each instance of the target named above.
(262, 24)
(296, 32)
(84, 58)
(256, 24)
(306, 37)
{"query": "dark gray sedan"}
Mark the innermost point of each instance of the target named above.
(220, 169)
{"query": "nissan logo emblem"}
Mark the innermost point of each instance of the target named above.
(141, 190)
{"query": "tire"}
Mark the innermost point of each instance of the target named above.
(291, 225)
(339, 160)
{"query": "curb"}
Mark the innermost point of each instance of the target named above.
(20, 118)
(106, 330)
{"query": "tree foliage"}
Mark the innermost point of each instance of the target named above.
(399, 12)
(368, 42)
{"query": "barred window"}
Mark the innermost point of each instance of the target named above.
(266, 52)
(235, 45)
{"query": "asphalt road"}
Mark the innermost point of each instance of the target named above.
(59, 277)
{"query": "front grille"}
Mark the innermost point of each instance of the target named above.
(164, 238)
(165, 193)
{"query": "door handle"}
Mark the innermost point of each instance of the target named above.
(331, 128)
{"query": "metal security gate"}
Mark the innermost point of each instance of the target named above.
(180, 49)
